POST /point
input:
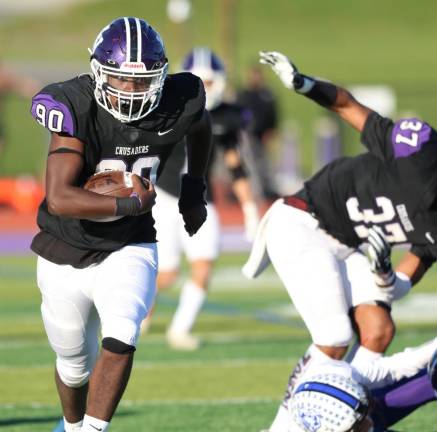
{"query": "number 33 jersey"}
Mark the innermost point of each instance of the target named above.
(140, 147)
(393, 186)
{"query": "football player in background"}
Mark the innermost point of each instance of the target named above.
(263, 105)
(127, 115)
(202, 250)
(385, 197)
(335, 396)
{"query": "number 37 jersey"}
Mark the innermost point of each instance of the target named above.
(140, 147)
(393, 186)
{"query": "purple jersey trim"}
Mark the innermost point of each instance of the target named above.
(51, 122)
(408, 136)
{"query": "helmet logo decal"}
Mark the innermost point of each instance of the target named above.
(133, 65)
(310, 420)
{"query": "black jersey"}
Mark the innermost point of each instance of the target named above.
(227, 122)
(141, 147)
(393, 186)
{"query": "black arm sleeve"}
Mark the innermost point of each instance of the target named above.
(322, 92)
(376, 136)
(427, 254)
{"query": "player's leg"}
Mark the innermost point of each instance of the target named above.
(168, 225)
(370, 310)
(305, 259)
(192, 297)
(123, 295)
(201, 250)
(71, 324)
(306, 262)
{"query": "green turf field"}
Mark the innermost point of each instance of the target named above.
(234, 383)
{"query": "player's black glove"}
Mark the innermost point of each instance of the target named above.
(192, 203)
(380, 256)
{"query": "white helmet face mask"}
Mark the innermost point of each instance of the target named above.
(328, 402)
(128, 106)
(129, 66)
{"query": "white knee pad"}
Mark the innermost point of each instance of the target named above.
(75, 345)
(74, 372)
(335, 331)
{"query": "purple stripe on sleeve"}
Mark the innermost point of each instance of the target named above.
(409, 136)
(397, 401)
(52, 114)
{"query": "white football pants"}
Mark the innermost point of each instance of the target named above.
(323, 277)
(173, 240)
(116, 294)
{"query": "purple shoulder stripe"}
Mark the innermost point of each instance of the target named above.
(52, 114)
(408, 136)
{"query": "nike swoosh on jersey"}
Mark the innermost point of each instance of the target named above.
(160, 133)
(429, 237)
(96, 428)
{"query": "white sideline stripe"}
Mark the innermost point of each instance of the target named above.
(202, 402)
(200, 364)
(209, 337)
(154, 402)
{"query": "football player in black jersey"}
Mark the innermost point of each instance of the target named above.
(227, 124)
(97, 259)
(385, 197)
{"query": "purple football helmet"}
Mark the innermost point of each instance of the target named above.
(128, 50)
(209, 68)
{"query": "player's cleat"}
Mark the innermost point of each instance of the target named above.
(432, 371)
(182, 341)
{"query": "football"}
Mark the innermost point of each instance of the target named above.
(112, 183)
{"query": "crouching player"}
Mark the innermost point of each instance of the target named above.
(334, 396)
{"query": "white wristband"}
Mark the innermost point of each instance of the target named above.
(400, 286)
